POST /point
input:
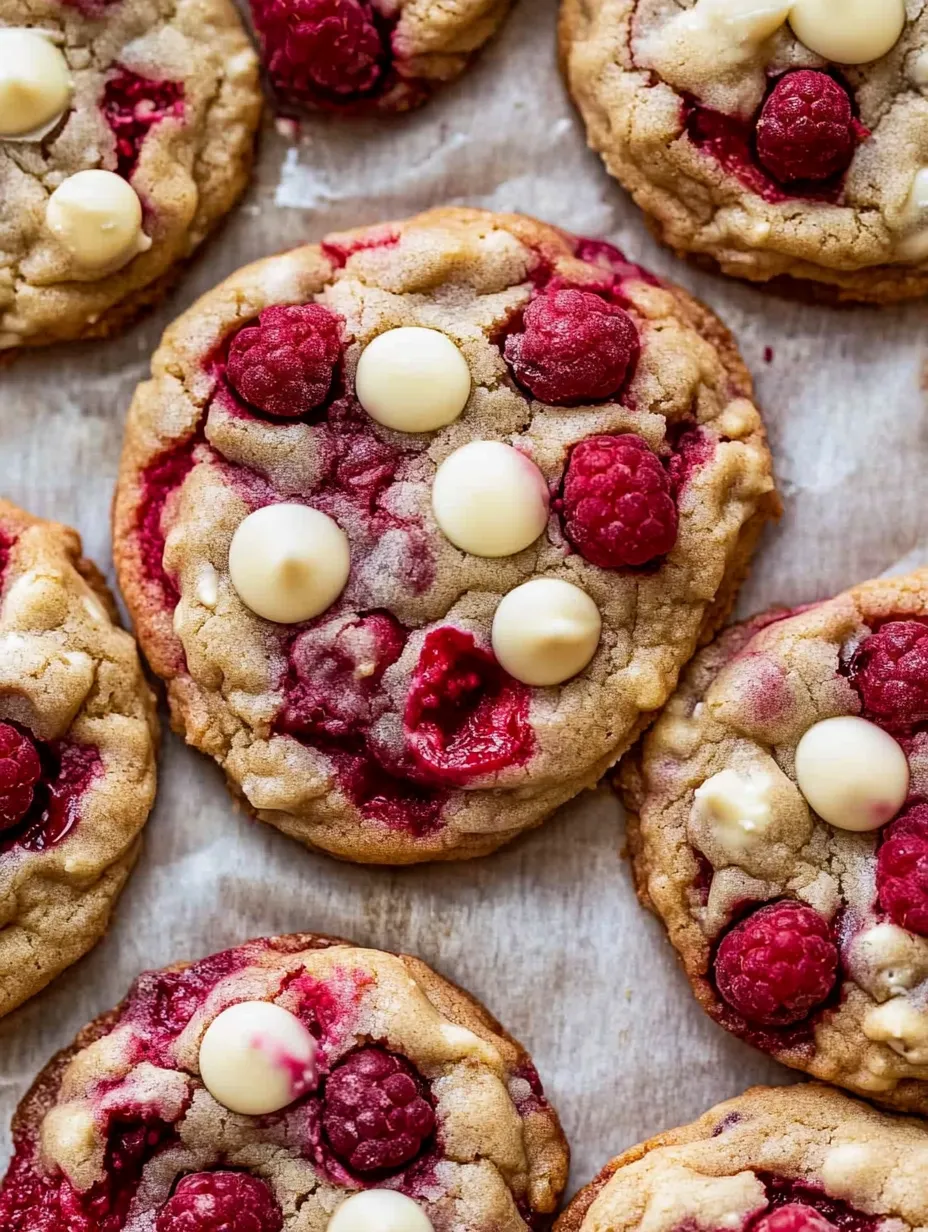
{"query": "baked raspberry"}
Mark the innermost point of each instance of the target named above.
(336, 674)
(616, 503)
(574, 347)
(320, 50)
(376, 1114)
(890, 672)
(902, 870)
(132, 105)
(285, 364)
(464, 716)
(806, 128)
(776, 966)
(220, 1202)
(796, 1217)
(20, 770)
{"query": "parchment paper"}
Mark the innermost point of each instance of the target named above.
(547, 933)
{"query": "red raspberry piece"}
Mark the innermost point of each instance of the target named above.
(616, 503)
(20, 770)
(284, 365)
(132, 104)
(806, 128)
(375, 1112)
(776, 966)
(220, 1202)
(574, 347)
(331, 48)
(796, 1217)
(902, 870)
(890, 671)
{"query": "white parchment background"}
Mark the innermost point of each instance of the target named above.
(548, 932)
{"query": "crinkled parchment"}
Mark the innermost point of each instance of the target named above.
(548, 932)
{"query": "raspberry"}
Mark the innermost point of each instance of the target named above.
(806, 128)
(285, 364)
(20, 770)
(132, 105)
(375, 1111)
(890, 671)
(776, 966)
(327, 48)
(616, 503)
(796, 1217)
(902, 870)
(220, 1202)
(574, 347)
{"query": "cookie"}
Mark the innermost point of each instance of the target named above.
(782, 1159)
(779, 830)
(353, 56)
(77, 754)
(290, 1084)
(784, 140)
(126, 134)
(420, 525)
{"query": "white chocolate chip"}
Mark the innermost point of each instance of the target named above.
(887, 961)
(848, 31)
(489, 499)
(35, 85)
(900, 1025)
(850, 1166)
(413, 379)
(256, 1058)
(913, 220)
(546, 631)
(852, 773)
(207, 588)
(379, 1210)
(288, 563)
(737, 806)
(96, 216)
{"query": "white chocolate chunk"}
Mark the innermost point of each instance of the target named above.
(737, 806)
(413, 379)
(288, 563)
(546, 631)
(35, 85)
(850, 1167)
(96, 216)
(848, 31)
(379, 1210)
(900, 1025)
(887, 961)
(913, 219)
(489, 499)
(256, 1058)
(852, 773)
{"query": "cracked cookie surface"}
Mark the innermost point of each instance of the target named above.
(119, 1129)
(385, 729)
(77, 754)
(163, 95)
(745, 146)
(355, 56)
(784, 1159)
(802, 935)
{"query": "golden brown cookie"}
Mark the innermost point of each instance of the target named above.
(77, 754)
(126, 134)
(778, 139)
(780, 831)
(392, 1090)
(335, 596)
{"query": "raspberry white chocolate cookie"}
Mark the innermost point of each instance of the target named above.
(77, 754)
(355, 56)
(323, 592)
(776, 1159)
(126, 131)
(778, 138)
(294, 1084)
(780, 829)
